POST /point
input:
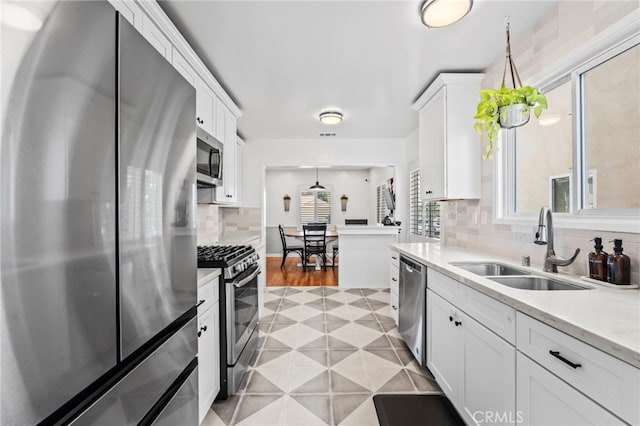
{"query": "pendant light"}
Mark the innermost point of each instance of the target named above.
(317, 186)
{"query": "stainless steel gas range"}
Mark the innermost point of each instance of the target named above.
(238, 313)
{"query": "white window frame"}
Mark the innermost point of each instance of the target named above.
(616, 39)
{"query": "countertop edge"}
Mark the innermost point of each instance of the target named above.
(207, 274)
(617, 350)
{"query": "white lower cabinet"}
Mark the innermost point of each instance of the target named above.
(473, 366)
(394, 276)
(208, 359)
(544, 399)
(444, 344)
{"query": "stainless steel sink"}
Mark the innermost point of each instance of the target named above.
(536, 283)
(487, 269)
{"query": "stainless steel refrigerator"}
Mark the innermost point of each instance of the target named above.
(98, 227)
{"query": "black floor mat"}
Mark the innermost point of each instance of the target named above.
(414, 410)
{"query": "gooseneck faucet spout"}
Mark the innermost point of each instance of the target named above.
(544, 236)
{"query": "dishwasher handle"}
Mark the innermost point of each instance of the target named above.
(411, 266)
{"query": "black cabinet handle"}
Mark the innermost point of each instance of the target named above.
(393, 279)
(556, 354)
(429, 192)
(457, 323)
(450, 318)
(201, 330)
(199, 333)
(394, 307)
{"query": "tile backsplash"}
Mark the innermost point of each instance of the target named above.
(215, 220)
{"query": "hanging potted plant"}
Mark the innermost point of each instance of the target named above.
(506, 108)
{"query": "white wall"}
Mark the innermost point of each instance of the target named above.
(355, 184)
(321, 152)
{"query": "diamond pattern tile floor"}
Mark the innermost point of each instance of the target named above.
(325, 352)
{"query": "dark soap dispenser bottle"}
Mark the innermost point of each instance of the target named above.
(618, 265)
(598, 261)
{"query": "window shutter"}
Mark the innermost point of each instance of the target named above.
(415, 210)
(315, 206)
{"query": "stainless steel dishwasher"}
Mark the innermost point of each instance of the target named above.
(411, 306)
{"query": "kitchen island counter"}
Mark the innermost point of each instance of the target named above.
(363, 254)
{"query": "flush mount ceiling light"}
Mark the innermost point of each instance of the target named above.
(440, 13)
(317, 186)
(331, 117)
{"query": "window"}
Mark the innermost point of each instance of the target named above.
(581, 157)
(432, 220)
(381, 203)
(424, 218)
(315, 206)
(415, 204)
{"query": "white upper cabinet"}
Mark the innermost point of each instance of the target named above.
(450, 149)
(220, 114)
(156, 37)
(228, 192)
(183, 66)
(205, 101)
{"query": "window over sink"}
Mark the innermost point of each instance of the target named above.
(582, 156)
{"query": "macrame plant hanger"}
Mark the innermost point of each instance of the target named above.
(518, 114)
(508, 60)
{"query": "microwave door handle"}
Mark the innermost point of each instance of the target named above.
(219, 163)
(211, 152)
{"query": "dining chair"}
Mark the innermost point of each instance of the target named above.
(289, 248)
(315, 243)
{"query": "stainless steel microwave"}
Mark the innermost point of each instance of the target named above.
(209, 160)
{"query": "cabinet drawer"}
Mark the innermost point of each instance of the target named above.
(209, 293)
(448, 288)
(395, 257)
(496, 316)
(394, 306)
(611, 382)
(544, 399)
(393, 278)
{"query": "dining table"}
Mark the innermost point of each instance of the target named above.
(330, 235)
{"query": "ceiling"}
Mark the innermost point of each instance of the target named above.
(283, 62)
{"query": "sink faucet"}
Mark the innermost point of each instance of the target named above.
(544, 236)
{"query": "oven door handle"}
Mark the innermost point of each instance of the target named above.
(251, 276)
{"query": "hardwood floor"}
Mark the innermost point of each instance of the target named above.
(292, 275)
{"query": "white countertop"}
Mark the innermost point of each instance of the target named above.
(367, 229)
(606, 318)
(238, 237)
(207, 274)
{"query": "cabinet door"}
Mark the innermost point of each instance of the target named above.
(226, 192)
(208, 360)
(544, 399)
(156, 37)
(220, 113)
(230, 148)
(185, 69)
(444, 345)
(432, 147)
(204, 106)
(487, 360)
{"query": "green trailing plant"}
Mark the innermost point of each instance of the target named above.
(488, 112)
